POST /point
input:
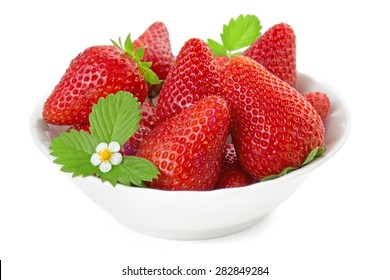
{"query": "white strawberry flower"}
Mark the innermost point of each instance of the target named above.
(106, 155)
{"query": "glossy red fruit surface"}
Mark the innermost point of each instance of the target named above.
(273, 126)
(276, 51)
(193, 77)
(94, 73)
(155, 40)
(188, 148)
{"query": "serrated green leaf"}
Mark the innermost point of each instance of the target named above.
(241, 32)
(115, 118)
(216, 47)
(73, 150)
(132, 171)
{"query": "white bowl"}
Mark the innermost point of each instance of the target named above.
(208, 214)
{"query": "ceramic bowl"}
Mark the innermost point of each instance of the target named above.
(208, 214)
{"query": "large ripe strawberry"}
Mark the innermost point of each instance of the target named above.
(94, 73)
(273, 126)
(157, 45)
(187, 149)
(276, 51)
(193, 77)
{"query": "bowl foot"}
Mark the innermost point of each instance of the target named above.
(179, 234)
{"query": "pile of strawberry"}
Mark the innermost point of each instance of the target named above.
(218, 122)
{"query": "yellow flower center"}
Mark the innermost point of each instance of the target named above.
(105, 155)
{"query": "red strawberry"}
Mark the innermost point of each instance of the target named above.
(320, 101)
(148, 114)
(273, 126)
(131, 146)
(79, 127)
(94, 73)
(233, 178)
(188, 148)
(221, 61)
(276, 51)
(193, 77)
(232, 175)
(158, 50)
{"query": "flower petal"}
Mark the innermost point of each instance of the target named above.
(101, 146)
(114, 147)
(105, 166)
(116, 158)
(95, 159)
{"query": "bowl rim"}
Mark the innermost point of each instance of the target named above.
(37, 114)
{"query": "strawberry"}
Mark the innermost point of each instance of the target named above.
(276, 51)
(188, 148)
(148, 114)
(320, 101)
(131, 146)
(95, 73)
(155, 40)
(193, 77)
(221, 61)
(273, 126)
(232, 175)
(79, 127)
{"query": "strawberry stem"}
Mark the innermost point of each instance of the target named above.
(136, 56)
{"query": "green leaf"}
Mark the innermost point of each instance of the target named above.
(311, 156)
(132, 171)
(115, 118)
(216, 47)
(136, 56)
(129, 47)
(241, 32)
(73, 151)
(315, 153)
(238, 34)
(283, 172)
(139, 54)
(146, 64)
(115, 44)
(150, 76)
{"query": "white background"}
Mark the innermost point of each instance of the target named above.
(336, 226)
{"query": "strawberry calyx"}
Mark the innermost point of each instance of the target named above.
(315, 153)
(136, 55)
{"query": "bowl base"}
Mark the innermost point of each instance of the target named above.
(191, 234)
